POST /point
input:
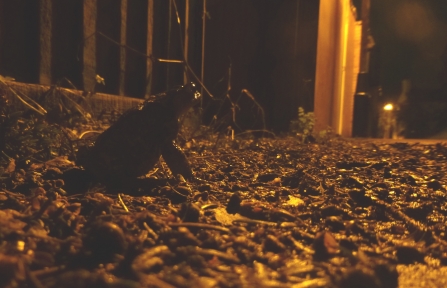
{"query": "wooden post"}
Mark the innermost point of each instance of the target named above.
(202, 70)
(2, 29)
(150, 33)
(122, 79)
(45, 26)
(89, 51)
(325, 68)
(185, 50)
(333, 104)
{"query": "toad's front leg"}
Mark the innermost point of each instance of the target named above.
(176, 160)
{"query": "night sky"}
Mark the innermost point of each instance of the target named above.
(411, 36)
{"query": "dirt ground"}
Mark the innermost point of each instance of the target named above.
(266, 213)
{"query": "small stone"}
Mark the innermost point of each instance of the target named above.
(234, 204)
(189, 212)
(104, 240)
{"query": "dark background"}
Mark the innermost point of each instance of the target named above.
(411, 43)
(270, 45)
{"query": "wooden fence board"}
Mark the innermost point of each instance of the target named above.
(95, 104)
(45, 42)
(89, 45)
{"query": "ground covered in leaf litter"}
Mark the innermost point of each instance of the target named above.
(268, 213)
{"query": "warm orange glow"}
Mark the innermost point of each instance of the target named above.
(388, 107)
(337, 66)
(414, 21)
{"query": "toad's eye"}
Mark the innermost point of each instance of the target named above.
(197, 95)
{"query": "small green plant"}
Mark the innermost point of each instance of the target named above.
(324, 135)
(304, 124)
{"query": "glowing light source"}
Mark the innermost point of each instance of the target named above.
(388, 107)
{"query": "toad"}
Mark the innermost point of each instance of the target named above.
(134, 143)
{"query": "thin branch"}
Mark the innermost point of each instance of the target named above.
(122, 203)
(201, 226)
(39, 108)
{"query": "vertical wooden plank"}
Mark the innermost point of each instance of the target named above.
(123, 30)
(186, 44)
(325, 68)
(45, 26)
(333, 86)
(168, 44)
(202, 68)
(352, 68)
(2, 28)
(150, 34)
(340, 66)
(89, 51)
(357, 43)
